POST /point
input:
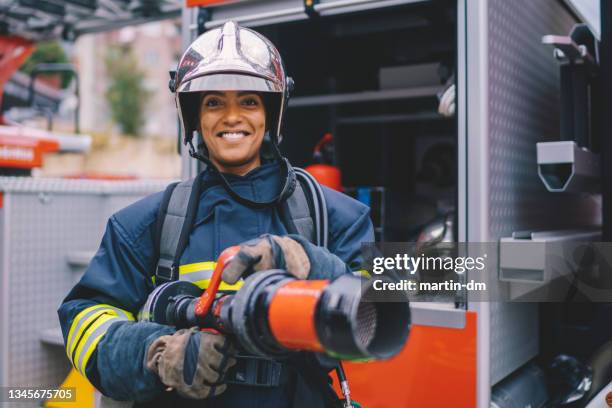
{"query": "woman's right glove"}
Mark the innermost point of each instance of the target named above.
(292, 253)
(192, 362)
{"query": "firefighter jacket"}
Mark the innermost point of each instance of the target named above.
(98, 317)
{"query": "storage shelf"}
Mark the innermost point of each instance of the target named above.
(52, 336)
(399, 118)
(366, 96)
(566, 167)
(80, 258)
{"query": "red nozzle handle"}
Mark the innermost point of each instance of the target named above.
(206, 300)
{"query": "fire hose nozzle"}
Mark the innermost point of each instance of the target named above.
(274, 314)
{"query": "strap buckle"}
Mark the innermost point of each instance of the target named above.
(165, 272)
(257, 372)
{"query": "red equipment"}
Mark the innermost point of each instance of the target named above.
(13, 52)
(325, 173)
(22, 148)
(23, 152)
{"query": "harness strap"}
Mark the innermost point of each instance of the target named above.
(177, 213)
(298, 212)
(318, 214)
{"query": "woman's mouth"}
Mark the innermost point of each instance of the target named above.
(233, 136)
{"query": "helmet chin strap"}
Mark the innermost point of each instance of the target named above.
(288, 177)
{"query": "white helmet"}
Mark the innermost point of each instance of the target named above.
(231, 58)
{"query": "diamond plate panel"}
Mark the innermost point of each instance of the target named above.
(523, 90)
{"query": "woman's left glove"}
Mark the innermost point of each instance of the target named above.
(192, 362)
(292, 253)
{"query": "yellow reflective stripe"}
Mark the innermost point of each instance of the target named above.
(84, 318)
(196, 267)
(79, 324)
(88, 328)
(90, 350)
(87, 346)
(203, 284)
(196, 275)
(75, 322)
(363, 273)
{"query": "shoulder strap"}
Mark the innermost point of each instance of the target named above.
(174, 221)
(307, 210)
(161, 214)
(298, 209)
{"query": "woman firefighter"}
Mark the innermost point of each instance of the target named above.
(231, 93)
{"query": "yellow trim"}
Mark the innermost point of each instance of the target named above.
(203, 284)
(196, 267)
(75, 322)
(93, 345)
(91, 349)
(363, 273)
(84, 337)
(100, 310)
(79, 334)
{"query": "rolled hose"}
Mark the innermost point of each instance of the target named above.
(274, 314)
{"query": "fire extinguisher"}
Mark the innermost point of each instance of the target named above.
(323, 169)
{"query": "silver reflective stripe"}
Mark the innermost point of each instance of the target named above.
(91, 337)
(82, 319)
(196, 276)
(123, 313)
(73, 341)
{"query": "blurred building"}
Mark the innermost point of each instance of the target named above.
(157, 46)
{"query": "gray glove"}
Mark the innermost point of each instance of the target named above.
(292, 253)
(192, 362)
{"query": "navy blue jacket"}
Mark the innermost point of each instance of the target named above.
(102, 339)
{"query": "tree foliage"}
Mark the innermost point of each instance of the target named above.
(126, 93)
(48, 52)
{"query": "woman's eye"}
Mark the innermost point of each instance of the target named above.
(250, 102)
(212, 102)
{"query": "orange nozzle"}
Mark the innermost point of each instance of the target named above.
(292, 314)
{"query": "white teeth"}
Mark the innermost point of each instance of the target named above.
(233, 135)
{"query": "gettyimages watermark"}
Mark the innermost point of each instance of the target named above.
(523, 271)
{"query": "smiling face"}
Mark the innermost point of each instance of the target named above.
(233, 125)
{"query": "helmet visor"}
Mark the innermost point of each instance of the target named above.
(229, 82)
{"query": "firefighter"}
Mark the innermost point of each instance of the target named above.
(231, 88)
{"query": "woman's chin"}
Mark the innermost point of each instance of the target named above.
(241, 164)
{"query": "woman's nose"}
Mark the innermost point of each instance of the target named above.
(232, 115)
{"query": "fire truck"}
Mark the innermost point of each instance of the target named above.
(467, 121)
